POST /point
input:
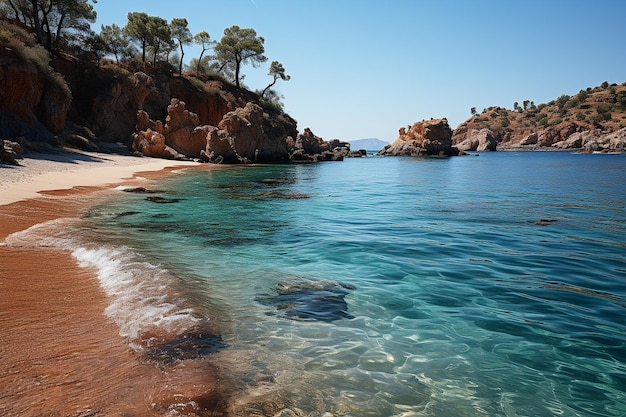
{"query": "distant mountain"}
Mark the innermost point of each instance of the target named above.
(370, 144)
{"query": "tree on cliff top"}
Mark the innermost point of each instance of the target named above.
(278, 71)
(53, 21)
(149, 32)
(182, 34)
(204, 39)
(115, 42)
(137, 30)
(240, 46)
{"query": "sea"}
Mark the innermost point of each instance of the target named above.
(492, 284)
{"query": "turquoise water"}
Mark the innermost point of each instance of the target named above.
(491, 285)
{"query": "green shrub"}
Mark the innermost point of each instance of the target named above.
(561, 101)
(23, 44)
(116, 70)
(197, 83)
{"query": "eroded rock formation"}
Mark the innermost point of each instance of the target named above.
(312, 148)
(427, 137)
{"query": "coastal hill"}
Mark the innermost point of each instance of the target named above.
(592, 120)
(53, 98)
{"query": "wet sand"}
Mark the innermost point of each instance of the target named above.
(59, 354)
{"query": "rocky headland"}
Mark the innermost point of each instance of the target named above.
(594, 120)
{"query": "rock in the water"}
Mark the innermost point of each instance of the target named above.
(188, 346)
(162, 200)
(428, 137)
(311, 148)
(308, 300)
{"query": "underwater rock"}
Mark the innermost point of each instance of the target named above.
(162, 200)
(189, 346)
(544, 222)
(309, 300)
(140, 190)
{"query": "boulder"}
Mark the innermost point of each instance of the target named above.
(607, 142)
(182, 131)
(240, 138)
(311, 148)
(615, 141)
(149, 143)
(531, 139)
(479, 140)
(557, 133)
(10, 152)
(219, 149)
(427, 137)
(144, 122)
(575, 141)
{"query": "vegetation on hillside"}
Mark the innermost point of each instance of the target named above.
(24, 45)
(64, 26)
(598, 109)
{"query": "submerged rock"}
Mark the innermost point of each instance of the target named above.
(309, 300)
(162, 200)
(544, 222)
(188, 346)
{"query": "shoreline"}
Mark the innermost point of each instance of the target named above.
(67, 169)
(60, 354)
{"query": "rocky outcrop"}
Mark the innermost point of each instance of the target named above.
(568, 122)
(240, 138)
(183, 132)
(149, 139)
(10, 152)
(479, 140)
(586, 142)
(243, 129)
(311, 148)
(113, 112)
(427, 137)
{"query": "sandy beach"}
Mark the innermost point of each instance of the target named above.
(67, 169)
(60, 355)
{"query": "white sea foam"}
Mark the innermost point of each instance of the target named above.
(142, 301)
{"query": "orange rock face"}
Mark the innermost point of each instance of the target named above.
(27, 95)
(426, 137)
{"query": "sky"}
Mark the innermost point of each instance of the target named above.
(365, 68)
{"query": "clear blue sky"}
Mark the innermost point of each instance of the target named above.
(364, 68)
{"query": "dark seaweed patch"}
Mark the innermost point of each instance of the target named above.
(141, 190)
(323, 301)
(127, 213)
(189, 346)
(162, 200)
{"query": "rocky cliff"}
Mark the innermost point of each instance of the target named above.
(592, 120)
(151, 110)
(427, 137)
(34, 100)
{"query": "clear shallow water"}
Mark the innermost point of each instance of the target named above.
(491, 285)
